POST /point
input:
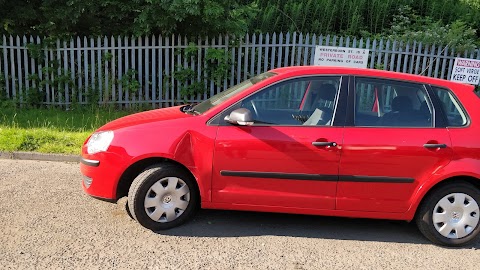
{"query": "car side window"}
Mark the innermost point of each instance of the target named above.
(389, 103)
(303, 101)
(451, 106)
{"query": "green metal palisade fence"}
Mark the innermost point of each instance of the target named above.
(124, 70)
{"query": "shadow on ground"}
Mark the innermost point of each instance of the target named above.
(217, 223)
(221, 223)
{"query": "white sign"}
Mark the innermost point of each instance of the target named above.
(466, 71)
(341, 57)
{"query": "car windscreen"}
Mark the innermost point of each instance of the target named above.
(230, 92)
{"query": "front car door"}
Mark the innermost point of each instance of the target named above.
(289, 157)
(395, 140)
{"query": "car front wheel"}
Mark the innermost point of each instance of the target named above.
(450, 215)
(163, 196)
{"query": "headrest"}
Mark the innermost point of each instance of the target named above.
(325, 91)
(401, 104)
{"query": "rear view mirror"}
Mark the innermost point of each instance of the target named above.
(241, 117)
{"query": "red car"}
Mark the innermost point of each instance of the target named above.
(306, 140)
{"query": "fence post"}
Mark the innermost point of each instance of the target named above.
(437, 61)
(12, 68)
(266, 58)
(66, 87)
(106, 92)
(287, 50)
(33, 66)
(25, 67)
(280, 50)
(312, 49)
(274, 44)
(154, 71)
(293, 50)
(121, 53)
(379, 57)
(5, 65)
(19, 69)
(99, 70)
(298, 51)
(385, 58)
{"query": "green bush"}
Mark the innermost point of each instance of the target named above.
(125, 17)
(352, 17)
(408, 26)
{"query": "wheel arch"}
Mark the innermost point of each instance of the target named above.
(138, 167)
(454, 179)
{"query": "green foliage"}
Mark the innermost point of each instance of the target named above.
(35, 95)
(129, 82)
(193, 17)
(324, 16)
(61, 18)
(3, 90)
(379, 66)
(352, 17)
(58, 77)
(35, 51)
(186, 80)
(217, 64)
(408, 26)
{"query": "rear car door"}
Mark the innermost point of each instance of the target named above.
(289, 157)
(396, 139)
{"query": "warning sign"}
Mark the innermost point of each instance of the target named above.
(466, 71)
(341, 57)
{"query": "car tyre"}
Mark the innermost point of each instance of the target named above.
(163, 196)
(450, 215)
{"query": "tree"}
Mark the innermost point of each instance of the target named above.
(126, 17)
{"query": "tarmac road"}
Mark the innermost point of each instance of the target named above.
(47, 222)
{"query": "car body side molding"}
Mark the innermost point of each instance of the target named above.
(279, 175)
(317, 177)
(378, 179)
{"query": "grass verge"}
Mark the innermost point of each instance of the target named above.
(50, 130)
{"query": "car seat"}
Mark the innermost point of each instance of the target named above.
(322, 97)
(402, 113)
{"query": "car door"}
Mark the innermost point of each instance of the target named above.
(289, 156)
(395, 141)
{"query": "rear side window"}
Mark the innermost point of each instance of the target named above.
(456, 116)
(389, 103)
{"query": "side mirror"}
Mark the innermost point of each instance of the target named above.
(241, 117)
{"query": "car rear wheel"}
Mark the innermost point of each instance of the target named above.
(451, 215)
(163, 196)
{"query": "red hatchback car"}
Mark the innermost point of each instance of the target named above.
(306, 140)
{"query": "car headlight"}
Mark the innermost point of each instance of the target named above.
(99, 142)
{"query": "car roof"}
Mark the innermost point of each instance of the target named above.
(310, 70)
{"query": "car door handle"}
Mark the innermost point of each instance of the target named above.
(324, 143)
(435, 145)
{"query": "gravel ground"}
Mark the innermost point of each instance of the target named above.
(47, 222)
